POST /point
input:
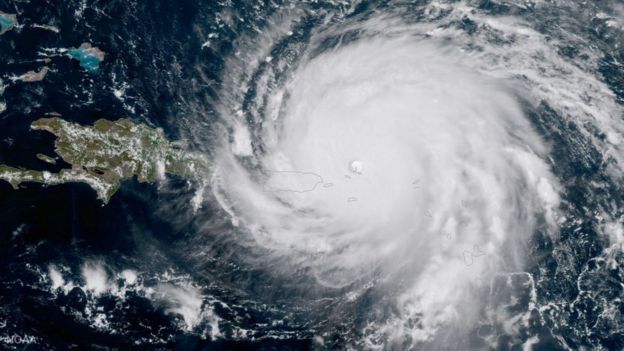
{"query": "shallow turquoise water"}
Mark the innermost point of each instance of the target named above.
(6, 23)
(87, 61)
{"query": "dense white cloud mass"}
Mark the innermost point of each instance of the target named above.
(394, 157)
(415, 157)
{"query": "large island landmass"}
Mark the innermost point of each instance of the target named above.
(107, 153)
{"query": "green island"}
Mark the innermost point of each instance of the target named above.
(46, 158)
(108, 152)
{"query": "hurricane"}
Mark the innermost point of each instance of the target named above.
(393, 151)
(425, 165)
(313, 175)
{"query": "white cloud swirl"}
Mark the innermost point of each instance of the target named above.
(400, 158)
(429, 170)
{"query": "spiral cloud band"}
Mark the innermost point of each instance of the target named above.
(392, 157)
(398, 156)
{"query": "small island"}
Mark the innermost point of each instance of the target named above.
(33, 76)
(46, 158)
(7, 22)
(89, 57)
(107, 153)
